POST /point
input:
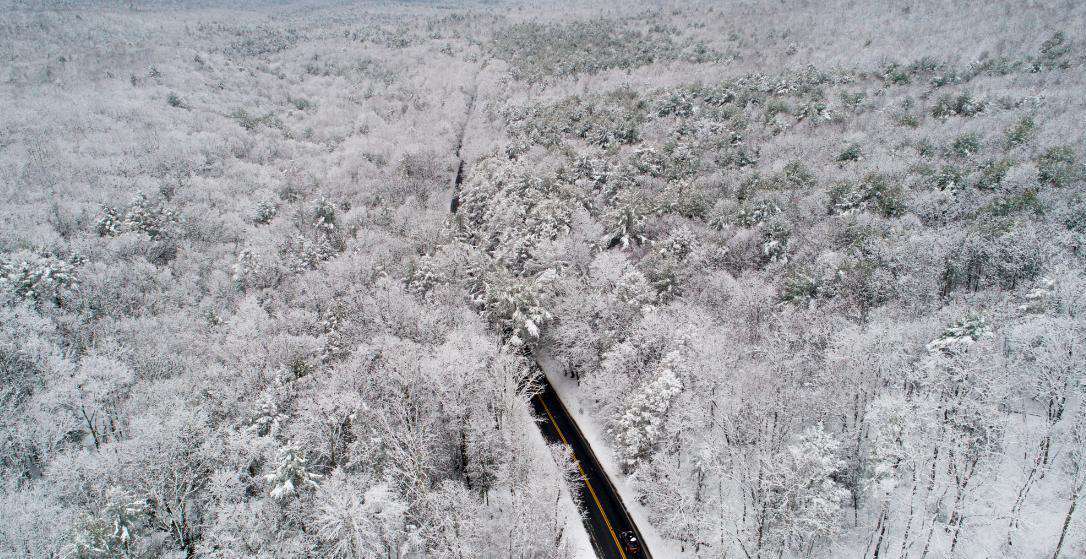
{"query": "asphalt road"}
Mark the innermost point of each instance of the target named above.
(606, 518)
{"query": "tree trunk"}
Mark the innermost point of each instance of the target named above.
(881, 530)
(931, 528)
(91, 427)
(1066, 522)
(912, 512)
(1016, 509)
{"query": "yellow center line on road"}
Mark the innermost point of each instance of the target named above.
(618, 545)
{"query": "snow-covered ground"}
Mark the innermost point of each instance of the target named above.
(570, 393)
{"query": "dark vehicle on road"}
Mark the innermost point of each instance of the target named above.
(631, 543)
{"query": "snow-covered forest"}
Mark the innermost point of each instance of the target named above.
(816, 270)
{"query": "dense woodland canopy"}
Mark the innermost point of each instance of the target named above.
(819, 267)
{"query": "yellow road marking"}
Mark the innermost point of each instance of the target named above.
(584, 477)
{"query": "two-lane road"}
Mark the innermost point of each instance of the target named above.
(606, 518)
